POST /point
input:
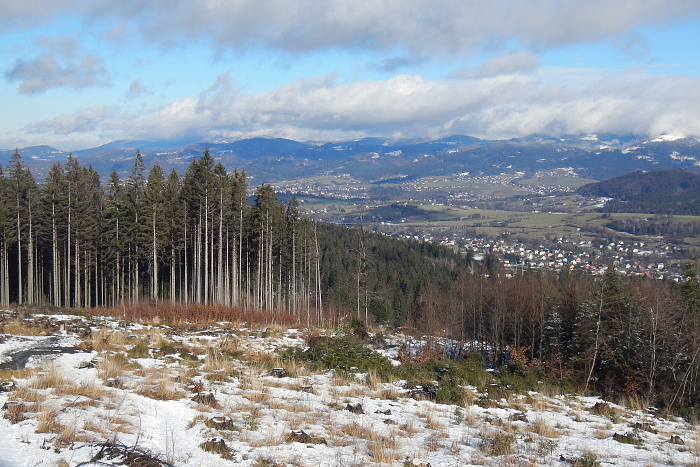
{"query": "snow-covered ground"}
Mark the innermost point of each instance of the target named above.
(70, 407)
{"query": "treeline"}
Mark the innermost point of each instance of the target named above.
(198, 239)
(658, 225)
(74, 242)
(610, 334)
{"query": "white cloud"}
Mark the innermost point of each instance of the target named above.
(137, 89)
(89, 120)
(508, 63)
(409, 106)
(46, 72)
(446, 28)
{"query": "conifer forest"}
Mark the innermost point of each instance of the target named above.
(157, 238)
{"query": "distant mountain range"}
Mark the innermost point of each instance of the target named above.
(375, 159)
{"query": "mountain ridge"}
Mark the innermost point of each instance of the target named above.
(376, 158)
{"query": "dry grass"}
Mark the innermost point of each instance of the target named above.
(100, 340)
(297, 421)
(22, 328)
(95, 427)
(253, 388)
(70, 434)
(51, 378)
(216, 362)
(230, 344)
(184, 314)
(199, 418)
(117, 338)
(389, 392)
(354, 430)
(409, 428)
(16, 412)
(373, 380)
(91, 390)
(48, 419)
(25, 392)
(113, 366)
(543, 428)
(293, 406)
(469, 397)
(636, 403)
(292, 368)
(382, 450)
(348, 391)
(9, 375)
(433, 422)
(601, 433)
(159, 385)
(470, 417)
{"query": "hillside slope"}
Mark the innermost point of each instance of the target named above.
(668, 191)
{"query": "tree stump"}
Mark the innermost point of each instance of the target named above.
(215, 445)
(355, 408)
(220, 423)
(675, 439)
(300, 436)
(206, 398)
(7, 386)
(278, 372)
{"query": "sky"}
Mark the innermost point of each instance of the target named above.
(79, 73)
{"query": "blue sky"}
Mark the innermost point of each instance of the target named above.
(79, 73)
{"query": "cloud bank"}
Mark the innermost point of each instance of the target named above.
(421, 27)
(321, 107)
(510, 94)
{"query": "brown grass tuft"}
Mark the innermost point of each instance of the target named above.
(543, 428)
(184, 314)
(15, 412)
(48, 419)
(49, 379)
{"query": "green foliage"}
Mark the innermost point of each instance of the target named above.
(450, 375)
(139, 349)
(219, 448)
(340, 352)
(545, 447)
(628, 438)
(497, 445)
(517, 378)
(586, 460)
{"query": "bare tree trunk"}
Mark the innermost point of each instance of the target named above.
(76, 285)
(220, 290)
(19, 260)
(597, 340)
(55, 293)
(5, 280)
(186, 286)
(319, 302)
(31, 293)
(206, 249)
(198, 259)
(172, 272)
(154, 276)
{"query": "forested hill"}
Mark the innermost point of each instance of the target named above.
(669, 191)
(76, 242)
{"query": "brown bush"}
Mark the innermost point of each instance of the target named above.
(191, 313)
